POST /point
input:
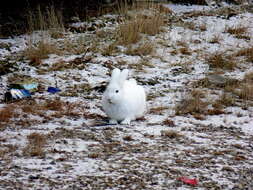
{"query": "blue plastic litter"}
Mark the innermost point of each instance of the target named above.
(53, 90)
(16, 94)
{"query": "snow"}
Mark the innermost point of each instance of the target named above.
(177, 8)
(88, 147)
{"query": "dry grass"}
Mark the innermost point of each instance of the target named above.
(221, 61)
(6, 114)
(62, 108)
(72, 110)
(145, 48)
(215, 111)
(246, 92)
(247, 52)
(37, 52)
(239, 93)
(94, 155)
(189, 25)
(54, 105)
(157, 110)
(35, 145)
(193, 26)
(61, 65)
(24, 109)
(248, 77)
(238, 31)
(49, 19)
(21, 110)
(185, 50)
(75, 46)
(6, 150)
(128, 138)
(245, 88)
(182, 43)
(124, 7)
(130, 31)
(197, 14)
(203, 27)
(220, 83)
(110, 49)
(193, 104)
(151, 25)
(216, 39)
(226, 99)
(169, 123)
(171, 134)
(49, 23)
(140, 66)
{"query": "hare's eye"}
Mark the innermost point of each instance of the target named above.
(116, 91)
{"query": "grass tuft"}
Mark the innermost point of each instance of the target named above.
(225, 99)
(169, 123)
(54, 105)
(238, 31)
(49, 23)
(109, 50)
(128, 138)
(50, 20)
(35, 146)
(247, 52)
(158, 110)
(171, 134)
(130, 31)
(215, 40)
(193, 104)
(219, 60)
(35, 53)
(6, 114)
(142, 49)
(94, 155)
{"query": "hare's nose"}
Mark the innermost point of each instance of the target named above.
(109, 100)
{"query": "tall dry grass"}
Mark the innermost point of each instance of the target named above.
(49, 24)
(50, 20)
(140, 19)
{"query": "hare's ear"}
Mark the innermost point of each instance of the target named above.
(115, 75)
(123, 76)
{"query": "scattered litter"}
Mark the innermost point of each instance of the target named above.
(32, 87)
(188, 181)
(19, 91)
(16, 94)
(53, 90)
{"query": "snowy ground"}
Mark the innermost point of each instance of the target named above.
(82, 152)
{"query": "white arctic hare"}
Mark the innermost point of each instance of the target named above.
(123, 100)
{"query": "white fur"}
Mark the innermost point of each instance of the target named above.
(128, 103)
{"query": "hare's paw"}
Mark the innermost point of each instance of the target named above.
(113, 121)
(126, 121)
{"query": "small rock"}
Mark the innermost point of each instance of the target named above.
(52, 162)
(31, 177)
(217, 79)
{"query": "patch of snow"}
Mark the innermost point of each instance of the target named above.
(178, 8)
